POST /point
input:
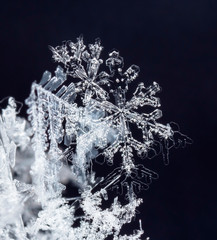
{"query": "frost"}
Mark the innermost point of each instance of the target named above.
(83, 115)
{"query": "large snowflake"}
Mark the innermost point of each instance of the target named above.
(106, 93)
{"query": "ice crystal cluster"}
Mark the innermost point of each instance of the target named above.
(89, 112)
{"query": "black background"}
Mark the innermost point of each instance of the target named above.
(174, 43)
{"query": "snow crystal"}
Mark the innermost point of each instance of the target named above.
(80, 116)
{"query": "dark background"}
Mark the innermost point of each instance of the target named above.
(174, 43)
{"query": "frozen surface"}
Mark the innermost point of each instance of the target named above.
(81, 116)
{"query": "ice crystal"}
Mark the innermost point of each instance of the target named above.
(85, 114)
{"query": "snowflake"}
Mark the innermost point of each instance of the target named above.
(84, 65)
(119, 113)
